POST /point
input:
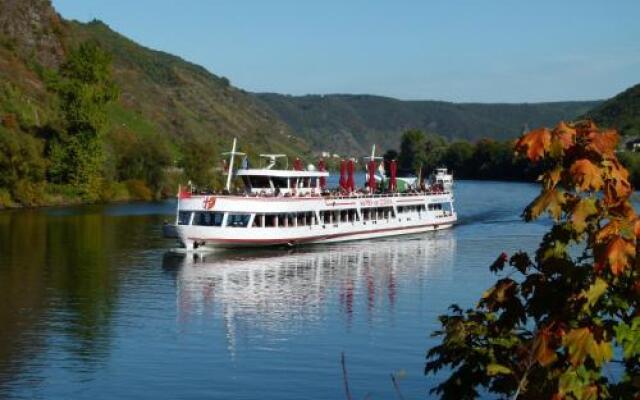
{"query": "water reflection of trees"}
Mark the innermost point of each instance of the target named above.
(281, 292)
(59, 281)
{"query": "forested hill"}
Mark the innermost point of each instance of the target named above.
(621, 112)
(354, 122)
(181, 98)
(89, 115)
(159, 92)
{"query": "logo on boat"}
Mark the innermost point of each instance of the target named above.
(209, 202)
(375, 202)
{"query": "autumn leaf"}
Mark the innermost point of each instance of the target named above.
(550, 200)
(617, 186)
(586, 175)
(619, 251)
(593, 294)
(551, 178)
(604, 143)
(564, 134)
(543, 353)
(585, 208)
(534, 143)
(609, 230)
(577, 342)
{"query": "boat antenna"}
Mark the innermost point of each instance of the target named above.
(373, 157)
(231, 155)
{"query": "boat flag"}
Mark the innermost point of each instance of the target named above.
(372, 175)
(297, 164)
(351, 185)
(393, 171)
(183, 193)
(343, 175)
(323, 180)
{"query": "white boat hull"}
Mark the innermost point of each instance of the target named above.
(200, 238)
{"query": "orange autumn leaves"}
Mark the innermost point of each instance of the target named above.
(586, 183)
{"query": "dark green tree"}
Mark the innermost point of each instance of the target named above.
(84, 86)
(22, 166)
(457, 157)
(140, 157)
(199, 159)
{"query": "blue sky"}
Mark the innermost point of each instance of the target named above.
(480, 51)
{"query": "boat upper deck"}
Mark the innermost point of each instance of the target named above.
(249, 202)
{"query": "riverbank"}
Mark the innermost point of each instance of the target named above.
(50, 195)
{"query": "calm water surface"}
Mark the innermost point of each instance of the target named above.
(93, 307)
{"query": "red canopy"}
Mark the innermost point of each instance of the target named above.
(393, 170)
(343, 175)
(372, 176)
(351, 185)
(323, 180)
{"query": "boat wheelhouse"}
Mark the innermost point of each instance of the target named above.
(441, 177)
(294, 206)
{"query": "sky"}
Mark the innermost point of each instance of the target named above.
(453, 50)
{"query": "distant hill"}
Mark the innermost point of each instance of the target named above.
(352, 123)
(621, 112)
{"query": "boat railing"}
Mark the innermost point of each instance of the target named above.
(329, 195)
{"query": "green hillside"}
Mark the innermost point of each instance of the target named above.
(621, 112)
(168, 112)
(180, 98)
(353, 123)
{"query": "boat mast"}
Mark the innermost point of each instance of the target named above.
(232, 155)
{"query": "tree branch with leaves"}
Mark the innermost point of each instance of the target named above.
(550, 326)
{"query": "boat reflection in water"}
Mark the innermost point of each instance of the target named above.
(274, 292)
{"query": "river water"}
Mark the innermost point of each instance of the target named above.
(93, 307)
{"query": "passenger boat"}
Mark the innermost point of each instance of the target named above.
(287, 207)
(442, 178)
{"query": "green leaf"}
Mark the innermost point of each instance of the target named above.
(498, 369)
(628, 336)
(593, 294)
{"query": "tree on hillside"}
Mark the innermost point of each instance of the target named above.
(21, 166)
(554, 323)
(419, 150)
(457, 157)
(200, 156)
(84, 86)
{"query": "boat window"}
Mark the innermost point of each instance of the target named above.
(184, 217)
(238, 220)
(290, 220)
(208, 218)
(258, 221)
(314, 182)
(270, 220)
(279, 182)
(260, 182)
